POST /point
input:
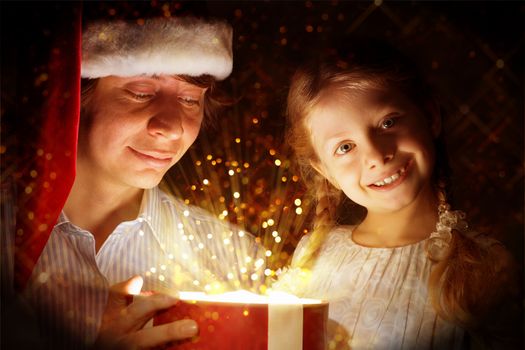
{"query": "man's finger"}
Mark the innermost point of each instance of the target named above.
(144, 308)
(131, 286)
(119, 295)
(162, 334)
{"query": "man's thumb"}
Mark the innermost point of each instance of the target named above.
(121, 294)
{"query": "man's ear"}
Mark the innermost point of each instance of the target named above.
(432, 106)
(319, 167)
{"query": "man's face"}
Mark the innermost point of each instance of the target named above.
(138, 128)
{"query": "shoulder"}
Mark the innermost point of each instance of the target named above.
(188, 211)
(498, 272)
(341, 231)
(502, 299)
(202, 220)
(170, 201)
(337, 236)
(335, 233)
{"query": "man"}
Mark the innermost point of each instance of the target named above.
(147, 87)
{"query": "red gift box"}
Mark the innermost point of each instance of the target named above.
(246, 325)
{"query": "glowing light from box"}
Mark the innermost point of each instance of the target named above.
(246, 297)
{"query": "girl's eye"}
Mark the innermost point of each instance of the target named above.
(387, 123)
(140, 96)
(189, 101)
(345, 148)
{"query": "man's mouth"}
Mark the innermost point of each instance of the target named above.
(157, 159)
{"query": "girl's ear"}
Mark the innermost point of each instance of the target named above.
(435, 117)
(319, 167)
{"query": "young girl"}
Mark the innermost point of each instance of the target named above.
(409, 274)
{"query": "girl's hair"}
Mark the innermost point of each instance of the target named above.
(460, 283)
(214, 98)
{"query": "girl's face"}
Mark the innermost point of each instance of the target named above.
(138, 128)
(376, 146)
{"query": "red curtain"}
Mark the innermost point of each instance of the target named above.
(44, 184)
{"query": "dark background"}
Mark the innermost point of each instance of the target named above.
(471, 52)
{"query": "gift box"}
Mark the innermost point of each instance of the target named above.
(242, 321)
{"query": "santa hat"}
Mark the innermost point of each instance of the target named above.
(174, 46)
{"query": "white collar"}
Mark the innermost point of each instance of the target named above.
(150, 212)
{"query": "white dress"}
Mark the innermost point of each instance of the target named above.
(378, 296)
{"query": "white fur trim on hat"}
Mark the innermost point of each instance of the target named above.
(174, 46)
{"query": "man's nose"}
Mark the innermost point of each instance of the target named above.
(166, 121)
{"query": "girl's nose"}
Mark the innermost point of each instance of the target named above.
(166, 122)
(376, 153)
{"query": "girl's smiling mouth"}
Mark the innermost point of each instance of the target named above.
(392, 180)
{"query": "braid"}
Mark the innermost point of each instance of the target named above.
(327, 200)
(467, 279)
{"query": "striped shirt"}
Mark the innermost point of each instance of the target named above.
(173, 246)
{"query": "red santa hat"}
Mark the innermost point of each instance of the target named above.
(174, 46)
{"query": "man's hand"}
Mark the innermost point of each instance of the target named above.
(123, 320)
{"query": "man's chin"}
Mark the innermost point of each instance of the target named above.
(145, 182)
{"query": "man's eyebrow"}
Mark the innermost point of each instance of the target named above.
(153, 76)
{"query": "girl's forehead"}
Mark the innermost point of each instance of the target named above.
(371, 98)
(343, 108)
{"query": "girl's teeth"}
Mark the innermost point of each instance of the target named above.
(389, 180)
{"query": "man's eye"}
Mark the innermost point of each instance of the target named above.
(140, 96)
(189, 101)
(387, 123)
(345, 148)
